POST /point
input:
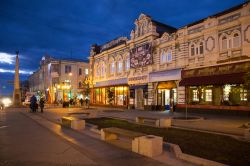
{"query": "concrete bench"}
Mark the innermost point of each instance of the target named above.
(143, 144)
(158, 122)
(73, 123)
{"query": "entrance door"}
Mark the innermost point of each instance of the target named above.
(139, 103)
(166, 98)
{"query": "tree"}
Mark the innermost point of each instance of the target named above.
(86, 83)
(110, 94)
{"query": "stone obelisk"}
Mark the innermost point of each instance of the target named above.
(17, 92)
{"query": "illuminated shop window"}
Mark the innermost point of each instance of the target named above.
(226, 92)
(208, 94)
(243, 95)
(195, 95)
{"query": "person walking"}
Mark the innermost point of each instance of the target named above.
(33, 103)
(41, 103)
(81, 102)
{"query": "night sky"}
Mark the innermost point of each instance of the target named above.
(67, 29)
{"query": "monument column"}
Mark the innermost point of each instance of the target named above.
(16, 92)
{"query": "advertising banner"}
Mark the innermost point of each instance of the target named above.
(141, 56)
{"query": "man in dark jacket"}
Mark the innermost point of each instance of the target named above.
(33, 103)
(41, 103)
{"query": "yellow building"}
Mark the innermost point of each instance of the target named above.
(160, 67)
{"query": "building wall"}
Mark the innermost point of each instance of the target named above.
(193, 46)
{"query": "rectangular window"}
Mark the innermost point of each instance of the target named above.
(86, 71)
(195, 95)
(208, 94)
(67, 69)
(80, 71)
(243, 95)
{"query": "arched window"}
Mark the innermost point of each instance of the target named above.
(97, 70)
(163, 57)
(169, 56)
(192, 50)
(236, 40)
(127, 64)
(201, 48)
(120, 66)
(224, 43)
(112, 67)
(102, 69)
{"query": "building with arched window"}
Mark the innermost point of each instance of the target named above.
(200, 65)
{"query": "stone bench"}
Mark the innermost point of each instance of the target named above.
(147, 145)
(73, 123)
(158, 122)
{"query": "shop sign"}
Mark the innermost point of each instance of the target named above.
(217, 70)
(138, 80)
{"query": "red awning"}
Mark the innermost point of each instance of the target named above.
(234, 78)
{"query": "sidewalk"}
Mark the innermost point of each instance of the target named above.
(102, 153)
(212, 123)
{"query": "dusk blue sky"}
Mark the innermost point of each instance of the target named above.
(59, 27)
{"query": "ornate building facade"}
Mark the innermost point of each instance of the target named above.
(159, 67)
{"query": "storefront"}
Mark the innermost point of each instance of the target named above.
(112, 92)
(165, 84)
(216, 86)
(138, 87)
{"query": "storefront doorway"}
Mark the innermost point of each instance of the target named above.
(167, 95)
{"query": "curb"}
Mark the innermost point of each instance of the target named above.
(192, 159)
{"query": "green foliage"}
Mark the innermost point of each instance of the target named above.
(110, 96)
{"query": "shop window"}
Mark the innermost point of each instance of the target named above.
(195, 95)
(201, 48)
(192, 50)
(236, 40)
(119, 66)
(226, 92)
(208, 94)
(224, 43)
(169, 57)
(243, 95)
